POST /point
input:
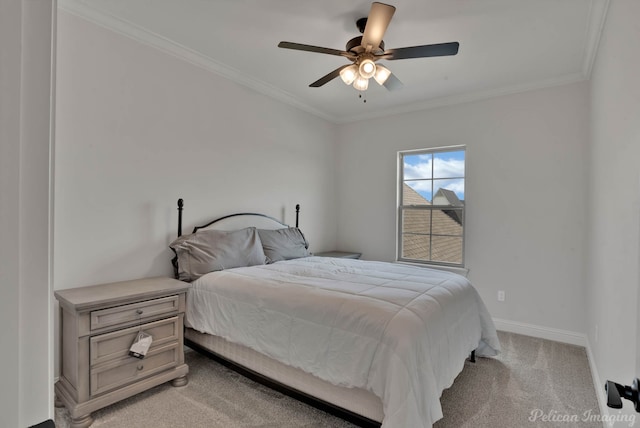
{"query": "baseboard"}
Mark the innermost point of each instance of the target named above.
(599, 386)
(564, 336)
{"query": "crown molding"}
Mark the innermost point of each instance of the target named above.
(468, 97)
(128, 29)
(595, 23)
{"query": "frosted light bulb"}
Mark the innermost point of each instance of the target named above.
(349, 74)
(367, 68)
(361, 83)
(382, 74)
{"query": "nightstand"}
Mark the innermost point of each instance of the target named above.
(99, 323)
(339, 254)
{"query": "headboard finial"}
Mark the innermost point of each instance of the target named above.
(297, 213)
(180, 206)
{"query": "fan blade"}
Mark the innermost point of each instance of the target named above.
(392, 83)
(377, 23)
(317, 49)
(328, 78)
(441, 49)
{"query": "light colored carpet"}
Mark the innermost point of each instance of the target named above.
(530, 377)
(530, 374)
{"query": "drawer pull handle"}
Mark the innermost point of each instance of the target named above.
(139, 312)
(140, 367)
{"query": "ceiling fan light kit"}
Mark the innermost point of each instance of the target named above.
(382, 74)
(349, 74)
(365, 50)
(361, 83)
(359, 75)
(367, 68)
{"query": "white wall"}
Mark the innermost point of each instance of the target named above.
(525, 196)
(10, 54)
(26, 396)
(613, 229)
(137, 129)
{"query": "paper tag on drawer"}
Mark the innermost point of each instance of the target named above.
(141, 345)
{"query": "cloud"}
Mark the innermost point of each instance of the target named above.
(443, 168)
(422, 167)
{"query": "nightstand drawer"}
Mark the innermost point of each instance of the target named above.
(128, 370)
(129, 313)
(109, 346)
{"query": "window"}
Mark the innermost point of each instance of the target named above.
(431, 206)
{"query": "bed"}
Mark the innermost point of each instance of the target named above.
(375, 343)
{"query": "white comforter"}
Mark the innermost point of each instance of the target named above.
(400, 331)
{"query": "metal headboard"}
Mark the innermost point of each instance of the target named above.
(181, 207)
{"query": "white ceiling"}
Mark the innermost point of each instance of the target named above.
(506, 46)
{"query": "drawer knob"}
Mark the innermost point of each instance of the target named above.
(140, 367)
(139, 312)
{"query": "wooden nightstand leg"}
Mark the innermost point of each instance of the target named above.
(180, 381)
(81, 422)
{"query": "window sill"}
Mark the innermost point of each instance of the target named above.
(454, 269)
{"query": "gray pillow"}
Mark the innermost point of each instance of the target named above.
(212, 250)
(283, 244)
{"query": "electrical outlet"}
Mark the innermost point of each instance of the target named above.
(500, 295)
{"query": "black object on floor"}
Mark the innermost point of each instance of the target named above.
(45, 424)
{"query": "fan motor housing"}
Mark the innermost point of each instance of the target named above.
(355, 45)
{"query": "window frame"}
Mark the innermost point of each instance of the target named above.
(400, 208)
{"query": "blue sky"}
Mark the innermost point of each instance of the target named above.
(426, 173)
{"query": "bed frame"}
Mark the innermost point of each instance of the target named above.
(334, 395)
(195, 229)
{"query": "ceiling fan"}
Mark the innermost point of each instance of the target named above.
(364, 51)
